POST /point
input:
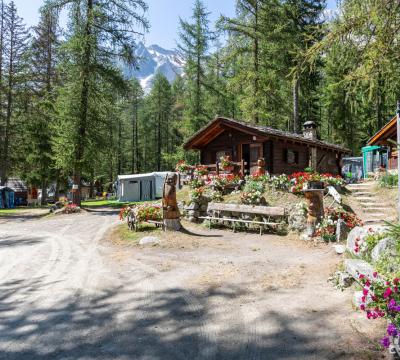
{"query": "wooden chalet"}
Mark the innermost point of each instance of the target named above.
(382, 147)
(284, 152)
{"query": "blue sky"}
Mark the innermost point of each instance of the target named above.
(163, 16)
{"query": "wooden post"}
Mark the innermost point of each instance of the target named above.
(242, 167)
(315, 211)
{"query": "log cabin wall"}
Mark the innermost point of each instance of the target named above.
(230, 142)
(289, 157)
(281, 156)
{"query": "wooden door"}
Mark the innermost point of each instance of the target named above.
(255, 154)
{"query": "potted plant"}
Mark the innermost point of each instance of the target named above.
(226, 164)
(182, 167)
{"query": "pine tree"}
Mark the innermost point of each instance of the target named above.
(41, 115)
(194, 44)
(14, 49)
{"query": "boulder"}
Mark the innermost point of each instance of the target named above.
(360, 233)
(386, 244)
(340, 249)
(355, 267)
(342, 230)
(149, 240)
(297, 217)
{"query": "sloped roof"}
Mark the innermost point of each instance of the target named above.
(389, 130)
(218, 125)
(16, 184)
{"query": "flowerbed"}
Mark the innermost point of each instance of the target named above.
(143, 212)
(299, 179)
(381, 299)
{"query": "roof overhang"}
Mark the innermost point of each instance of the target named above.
(387, 132)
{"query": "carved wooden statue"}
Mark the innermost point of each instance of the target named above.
(315, 211)
(171, 213)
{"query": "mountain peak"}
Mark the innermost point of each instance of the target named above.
(152, 60)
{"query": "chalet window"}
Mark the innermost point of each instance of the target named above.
(223, 153)
(291, 156)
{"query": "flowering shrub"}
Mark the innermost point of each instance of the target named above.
(196, 183)
(124, 212)
(222, 181)
(252, 197)
(201, 170)
(279, 182)
(196, 194)
(71, 208)
(327, 228)
(381, 299)
(299, 179)
(182, 167)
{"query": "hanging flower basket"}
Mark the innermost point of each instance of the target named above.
(182, 167)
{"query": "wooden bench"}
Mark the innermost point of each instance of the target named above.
(268, 214)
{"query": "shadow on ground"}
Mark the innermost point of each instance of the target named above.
(161, 325)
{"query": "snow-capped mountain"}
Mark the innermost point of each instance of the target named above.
(154, 59)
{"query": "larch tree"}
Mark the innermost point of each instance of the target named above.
(14, 48)
(101, 31)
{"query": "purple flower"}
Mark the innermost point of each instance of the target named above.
(392, 330)
(385, 342)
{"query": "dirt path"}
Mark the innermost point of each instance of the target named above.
(67, 294)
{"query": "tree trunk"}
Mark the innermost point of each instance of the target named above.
(43, 201)
(296, 116)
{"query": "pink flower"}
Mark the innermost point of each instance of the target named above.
(362, 307)
(365, 292)
(368, 283)
(361, 276)
(374, 274)
(396, 281)
(387, 293)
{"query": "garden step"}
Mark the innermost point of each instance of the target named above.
(356, 266)
(366, 198)
(363, 193)
(360, 185)
(373, 221)
(376, 208)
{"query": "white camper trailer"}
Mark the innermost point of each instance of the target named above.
(138, 187)
(160, 179)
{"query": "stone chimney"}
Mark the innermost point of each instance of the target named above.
(310, 130)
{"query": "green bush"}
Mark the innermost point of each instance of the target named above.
(388, 180)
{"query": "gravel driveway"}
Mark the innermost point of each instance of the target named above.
(66, 292)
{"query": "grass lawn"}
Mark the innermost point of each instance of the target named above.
(9, 211)
(123, 235)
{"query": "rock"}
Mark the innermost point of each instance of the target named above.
(344, 279)
(297, 217)
(355, 267)
(340, 249)
(149, 240)
(382, 246)
(358, 235)
(342, 230)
